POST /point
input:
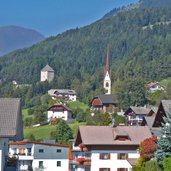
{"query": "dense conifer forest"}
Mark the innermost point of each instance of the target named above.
(139, 41)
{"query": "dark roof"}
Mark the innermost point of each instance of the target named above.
(9, 116)
(60, 105)
(47, 68)
(105, 135)
(107, 99)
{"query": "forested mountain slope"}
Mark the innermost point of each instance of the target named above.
(139, 40)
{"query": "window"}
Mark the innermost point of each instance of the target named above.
(40, 164)
(104, 169)
(58, 163)
(59, 150)
(41, 151)
(122, 169)
(104, 156)
(107, 84)
(122, 156)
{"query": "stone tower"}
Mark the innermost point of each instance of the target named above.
(107, 76)
(47, 73)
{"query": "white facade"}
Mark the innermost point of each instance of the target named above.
(49, 157)
(58, 114)
(3, 152)
(113, 163)
(52, 164)
(47, 75)
(107, 83)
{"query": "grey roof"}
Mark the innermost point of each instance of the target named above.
(166, 105)
(107, 99)
(47, 68)
(149, 120)
(51, 92)
(140, 110)
(105, 135)
(9, 116)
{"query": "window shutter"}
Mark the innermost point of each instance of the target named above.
(100, 169)
(119, 156)
(126, 156)
(108, 156)
(108, 169)
(126, 169)
(118, 169)
(100, 156)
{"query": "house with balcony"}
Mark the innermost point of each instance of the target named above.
(32, 155)
(64, 94)
(59, 110)
(135, 114)
(104, 103)
(106, 148)
(11, 127)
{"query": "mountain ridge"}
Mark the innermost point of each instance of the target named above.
(16, 37)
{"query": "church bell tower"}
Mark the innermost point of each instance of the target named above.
(107, 76)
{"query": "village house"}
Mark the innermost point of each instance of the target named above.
(47, 74)
(40, 155)
(106, 148)
(154, 86)
(11, 127)
(59, 110)
(64, 94)
(104, 103)
(135, 114)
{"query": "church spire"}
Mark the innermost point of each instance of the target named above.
(107, 75)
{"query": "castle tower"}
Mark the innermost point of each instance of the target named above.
(107, 76)
(47, 73)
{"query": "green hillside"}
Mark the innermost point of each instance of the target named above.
(139, 41)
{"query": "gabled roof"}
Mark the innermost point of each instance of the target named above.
(47, 68)
(105, 135)
(139, 110)
(58, 105)
(51, 92)
(106, 99)
(166, 106)
(9, 116)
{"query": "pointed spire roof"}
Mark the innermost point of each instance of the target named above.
(107, 67)
(47, 68)
(107, 60)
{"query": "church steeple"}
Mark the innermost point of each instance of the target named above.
(107, 75)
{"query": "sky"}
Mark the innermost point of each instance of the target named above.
(50, 17)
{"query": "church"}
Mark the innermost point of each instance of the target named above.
(105, 102)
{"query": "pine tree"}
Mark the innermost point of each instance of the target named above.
(164, 143)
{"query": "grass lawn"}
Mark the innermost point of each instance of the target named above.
(165, 82)
(43, 132)
(77, 104)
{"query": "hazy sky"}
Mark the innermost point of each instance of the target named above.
(51, 17)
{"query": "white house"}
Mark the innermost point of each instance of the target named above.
(106, 148)
(59, 111)
(65, 94)
(154, 86)
(11, 127)
(39, 155)
(47, 73)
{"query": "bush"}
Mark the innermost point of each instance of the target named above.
(152, 165)
(167, 164)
